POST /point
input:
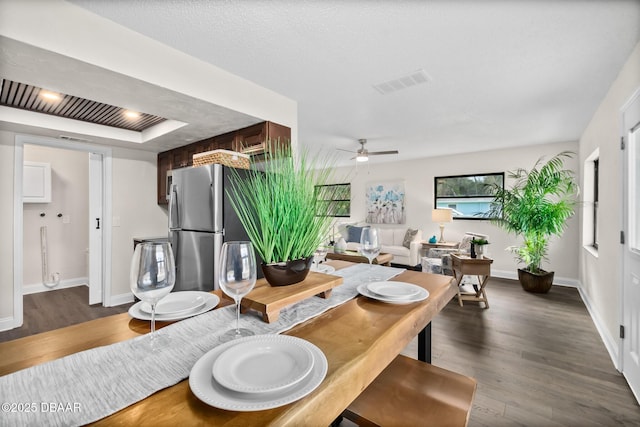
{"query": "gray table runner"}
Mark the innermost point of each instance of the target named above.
(90, 385)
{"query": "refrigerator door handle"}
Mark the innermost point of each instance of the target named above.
(174, 240)
(174, 212)
(217, 191)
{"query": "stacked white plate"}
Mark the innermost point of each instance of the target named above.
(258, 372)
(393, 292)
(176, 306)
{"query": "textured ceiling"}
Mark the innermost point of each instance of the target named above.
(501, 73)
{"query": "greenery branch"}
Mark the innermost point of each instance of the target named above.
(279, 207)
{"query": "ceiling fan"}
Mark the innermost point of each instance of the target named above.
(362, 155)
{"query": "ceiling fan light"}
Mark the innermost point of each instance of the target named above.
(362, 158)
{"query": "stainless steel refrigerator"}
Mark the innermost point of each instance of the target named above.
(201, 218)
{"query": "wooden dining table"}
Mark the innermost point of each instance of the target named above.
(359, 339)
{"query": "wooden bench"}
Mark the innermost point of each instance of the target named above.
(413, 393)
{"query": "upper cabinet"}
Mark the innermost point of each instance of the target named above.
(253, 139)
(250, 140)
(36, 182)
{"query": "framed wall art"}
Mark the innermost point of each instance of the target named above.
(385, 203)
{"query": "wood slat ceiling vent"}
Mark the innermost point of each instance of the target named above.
(28, 97)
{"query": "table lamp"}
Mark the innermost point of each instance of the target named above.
(442, 215)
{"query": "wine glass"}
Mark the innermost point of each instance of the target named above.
(370, 246)
(319, 256)
(237, 278)
(151, 278)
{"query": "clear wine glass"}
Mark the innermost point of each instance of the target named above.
(237, 278)
(151, 278)
(319, 256)
(370, 246)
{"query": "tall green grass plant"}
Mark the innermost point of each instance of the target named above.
(278, 207)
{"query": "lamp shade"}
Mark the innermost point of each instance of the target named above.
(441, 215)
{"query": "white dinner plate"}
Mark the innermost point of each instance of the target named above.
(211, 300)
(364, 290)
(177, 303)
(394, 290)
(205, 387)
(265, 364)
(323, 268)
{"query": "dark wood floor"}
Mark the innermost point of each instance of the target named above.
(50, 310)
(538, 359)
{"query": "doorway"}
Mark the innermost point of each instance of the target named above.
(99, 259)
(630, 340)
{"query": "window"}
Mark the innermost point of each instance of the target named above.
(596, 167)
(468, 195)
(338, 197)
(591, 202)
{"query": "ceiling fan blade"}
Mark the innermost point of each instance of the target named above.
(348, 151)
(377, 153)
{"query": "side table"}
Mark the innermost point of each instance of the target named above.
(481, 267)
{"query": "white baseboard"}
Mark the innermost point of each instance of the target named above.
(6, 323)
(557, 281)
(68, 283)
(610, 343)
(119, 299)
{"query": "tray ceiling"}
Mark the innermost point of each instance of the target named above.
(36, 99)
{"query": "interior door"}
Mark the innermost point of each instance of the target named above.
(95, 228)
(631, 249)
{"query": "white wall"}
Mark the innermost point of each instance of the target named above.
(135, 205)
(601, 275)
(418, 176)
(6, 225)
(67, 241)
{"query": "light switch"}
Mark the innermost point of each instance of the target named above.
(66, 219)
(116, 221)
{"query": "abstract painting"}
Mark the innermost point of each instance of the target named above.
(385, 203)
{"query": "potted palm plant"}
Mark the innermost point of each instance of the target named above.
(536, 207)
(280, 211)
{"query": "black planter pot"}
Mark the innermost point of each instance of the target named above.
(535, 283)
(287, 273)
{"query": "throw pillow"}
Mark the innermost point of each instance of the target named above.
(408, 238)
(353, 233)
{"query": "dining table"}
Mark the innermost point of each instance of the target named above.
(359, 339)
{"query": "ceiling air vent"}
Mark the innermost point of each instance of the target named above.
(410, 80)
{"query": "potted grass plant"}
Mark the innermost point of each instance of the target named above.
(280, 211)
(536, 207)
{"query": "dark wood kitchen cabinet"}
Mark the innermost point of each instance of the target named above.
(251, 140)
(164, 166)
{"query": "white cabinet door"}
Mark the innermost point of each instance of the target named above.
(36, 183)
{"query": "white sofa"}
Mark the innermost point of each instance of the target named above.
(392, 238)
